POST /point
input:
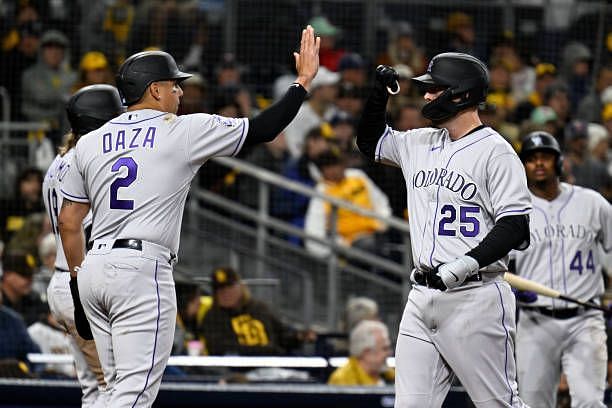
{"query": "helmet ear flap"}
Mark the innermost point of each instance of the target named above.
(559, 165)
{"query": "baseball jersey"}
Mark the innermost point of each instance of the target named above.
(53, 199)
(457, 190)
(135, 171)
(565, 235)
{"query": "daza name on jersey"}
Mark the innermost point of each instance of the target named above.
(561, 231)
(450, 180)
(120, 141)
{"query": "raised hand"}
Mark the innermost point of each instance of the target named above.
(307, 60)
(387, 78)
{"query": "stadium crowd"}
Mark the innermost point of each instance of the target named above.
(46, 57)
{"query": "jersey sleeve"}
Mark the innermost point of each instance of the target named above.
(388, 147)
(72, 184)
(605, 218)
(213, 136)
(507, 185)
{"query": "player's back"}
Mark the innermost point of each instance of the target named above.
(138, 167)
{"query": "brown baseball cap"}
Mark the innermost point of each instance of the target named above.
(21, 263)
(222, 277)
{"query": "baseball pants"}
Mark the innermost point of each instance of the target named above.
(89, 372)
(130, 301)
(546, 346)
(468, 332)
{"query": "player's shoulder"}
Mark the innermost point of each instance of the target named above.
(586, 195)
(424, 135)
(496, 143)
(211, 120)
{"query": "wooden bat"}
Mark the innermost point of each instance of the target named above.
(525, 284)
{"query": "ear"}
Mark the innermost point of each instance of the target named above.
(154, 90)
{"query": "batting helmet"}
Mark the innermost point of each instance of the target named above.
(92, 106)
(143, 68)
(461, 76)
(542, 141)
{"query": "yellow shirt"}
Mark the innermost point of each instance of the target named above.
(352, 374)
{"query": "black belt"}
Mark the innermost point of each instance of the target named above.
(58, 269)
(131, 243)
(565, 313)
(472, 278)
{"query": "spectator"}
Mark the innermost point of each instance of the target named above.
(329, 54)
(585, 170)
(359, 309)
(229, 83)
(369, 348)
(291, 206)
(15, 343)
(238, 324)
(94, 69)
(317, 109)
(576, 71)
(195, 96)
(350, 99)
(545, 75)
(47, 251)
(16, 60)
(47, 84)
(409, 117)
(522, 76)
(51, 338)
(352, 70)
(402, 49)
(591, 105)
(27, 201)
(599, 145)
(16, 286)
(499, 87)
(191, 310)
(557, 97)
(351, 185)
(606, 117)
(496, 119)
(460, 28)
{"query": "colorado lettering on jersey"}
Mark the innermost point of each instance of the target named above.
(120, 141)
(450, 180)
(562, 231)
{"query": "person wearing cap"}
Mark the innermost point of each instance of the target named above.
(402, 49)
(238, 324)
(46, 84)
(16, 60)
(329, 54)
(586, 171)
(16, 286)
(352, 70)
(318, 108)
(94, 69)
(575, 71)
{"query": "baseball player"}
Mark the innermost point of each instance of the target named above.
(568, 224)
(134, 173)
(468, 203)
(87, 109)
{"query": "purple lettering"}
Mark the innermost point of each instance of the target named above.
(107, 144)
(133, 143)
(150, 137)
(120, 142)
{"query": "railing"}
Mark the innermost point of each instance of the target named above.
(263, 223)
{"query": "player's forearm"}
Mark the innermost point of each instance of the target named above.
(508, 233)
(71, 232)
(270, 122)
(372, 122)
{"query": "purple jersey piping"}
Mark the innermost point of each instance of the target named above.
(503, 322)
(139, 121)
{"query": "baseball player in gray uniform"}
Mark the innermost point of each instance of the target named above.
(87, 109)
(134, 173)
(468, 206)
(568, 224)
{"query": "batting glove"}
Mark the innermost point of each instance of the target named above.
(525, 296)
(454, 273)
(386, 77)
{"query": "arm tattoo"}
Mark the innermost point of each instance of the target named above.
(66, 202)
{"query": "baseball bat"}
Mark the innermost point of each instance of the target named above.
(525, 284)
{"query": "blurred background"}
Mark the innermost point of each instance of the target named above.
(301, 237)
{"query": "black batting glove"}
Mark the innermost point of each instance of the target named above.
(386, 77)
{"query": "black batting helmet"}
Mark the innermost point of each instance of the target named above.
(460, 76)
(92, 106)
(538, 141)
(143, 68)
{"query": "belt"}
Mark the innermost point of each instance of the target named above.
(565, 313)
(477, 277)
(131, 243)
(58, 269)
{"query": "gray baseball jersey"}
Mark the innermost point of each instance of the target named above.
(565, 233)
(457, 190)
(564, 255)
(53, 199)
(136, 170)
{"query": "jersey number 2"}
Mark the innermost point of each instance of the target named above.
(450, 215)
(132, 167)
